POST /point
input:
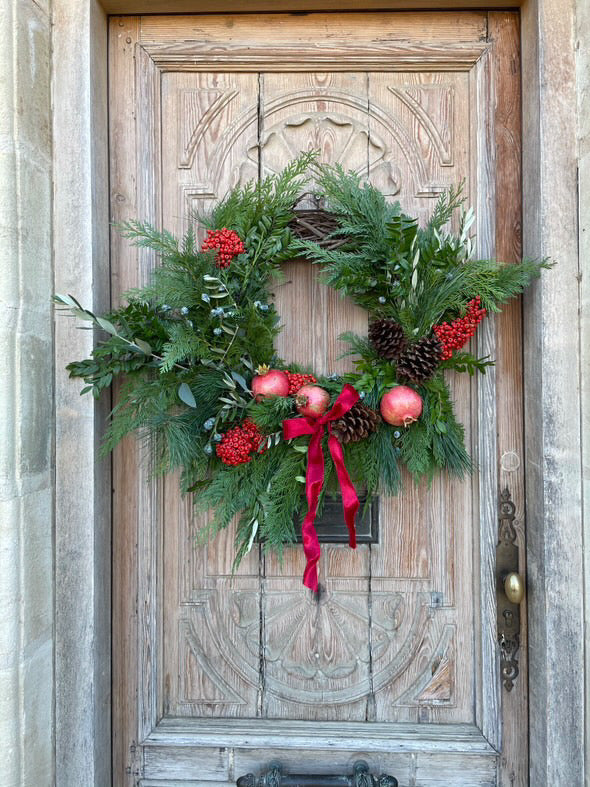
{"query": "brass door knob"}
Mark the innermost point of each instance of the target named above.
(514, 587)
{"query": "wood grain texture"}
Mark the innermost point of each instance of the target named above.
(272, 6)
(419, 141)
(485, 454)
(555, 538)
(280, 28)
(322, 735)
(150, 492)
(331, 56)
(316, 652)
(504, 32)
(392, 636)
(210, 631)
(123, 34)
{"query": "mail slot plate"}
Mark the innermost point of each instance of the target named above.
(331, 527)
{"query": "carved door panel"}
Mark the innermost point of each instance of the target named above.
(216, 675)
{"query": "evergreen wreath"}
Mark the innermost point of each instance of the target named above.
(204, 386)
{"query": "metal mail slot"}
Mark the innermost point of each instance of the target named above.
(331, 528)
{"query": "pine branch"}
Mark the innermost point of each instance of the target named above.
(270, 412)
(145, 235)
(446, 205)
(466, 362)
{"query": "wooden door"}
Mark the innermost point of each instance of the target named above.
(397, 662)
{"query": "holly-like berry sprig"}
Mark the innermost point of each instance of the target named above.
(456, 334)
(197, 345)
(227, 243)
(241, 443)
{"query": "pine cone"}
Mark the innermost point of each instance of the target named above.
(420, 360)
(356, 424)
(387, 337)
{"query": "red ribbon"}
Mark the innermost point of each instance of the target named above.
(314, 478)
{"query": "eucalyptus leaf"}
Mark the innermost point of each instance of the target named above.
(106, 326)
(186, 395)
(83, 314)
(143, 346)
(252, 535)
(241, 381)
(67, 300)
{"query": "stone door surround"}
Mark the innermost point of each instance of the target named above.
(552, 381)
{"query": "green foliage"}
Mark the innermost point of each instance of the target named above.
(270, 413)
(393, 268)
(187, 345)
(466, 362)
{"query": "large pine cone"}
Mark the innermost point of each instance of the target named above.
(388, 339)
(356, 424)
(420, 361)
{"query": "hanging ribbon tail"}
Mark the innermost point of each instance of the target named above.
(314, 478)
(350, 501)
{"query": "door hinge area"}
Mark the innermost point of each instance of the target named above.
(134, 766)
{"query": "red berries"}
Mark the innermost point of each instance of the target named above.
(228, 245)
(239, 443)
(455, 335)
(297, 381)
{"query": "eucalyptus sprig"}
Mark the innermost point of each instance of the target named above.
(187, 345)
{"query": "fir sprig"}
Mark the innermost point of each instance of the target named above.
(188, 343)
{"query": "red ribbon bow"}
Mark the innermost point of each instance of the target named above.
(314, 478)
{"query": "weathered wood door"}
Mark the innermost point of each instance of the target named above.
(398, 662)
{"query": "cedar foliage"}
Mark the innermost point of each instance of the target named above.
(187, 345)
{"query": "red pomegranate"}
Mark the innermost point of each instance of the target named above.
(401, 406)
(311, 400)
(270, 382)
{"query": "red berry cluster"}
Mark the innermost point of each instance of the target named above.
(455, 335)
(228, 244)
(297, 381)
(239, 443)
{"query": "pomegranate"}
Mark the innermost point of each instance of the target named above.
(269, 382)
(311, 400)
(401, 406)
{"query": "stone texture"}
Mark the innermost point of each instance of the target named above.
(26, 397)
(26, 349)
(82, 654)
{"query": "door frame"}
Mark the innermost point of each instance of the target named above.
(552, 383)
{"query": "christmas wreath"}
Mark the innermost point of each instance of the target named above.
(255, 435)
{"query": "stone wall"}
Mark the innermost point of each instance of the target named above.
(28, 590)
(26, 396)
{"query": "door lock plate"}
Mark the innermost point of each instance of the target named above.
(508, 619)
